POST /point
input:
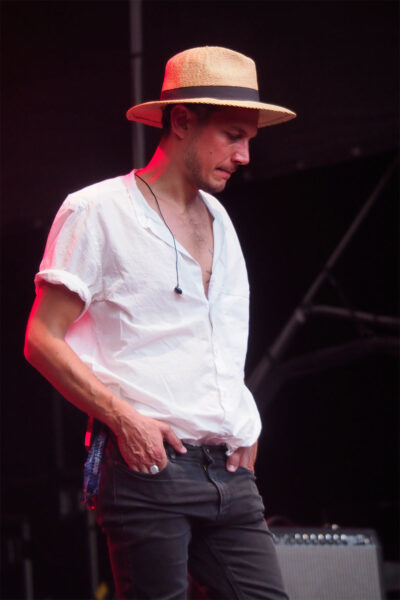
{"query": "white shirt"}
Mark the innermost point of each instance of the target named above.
(179, 359)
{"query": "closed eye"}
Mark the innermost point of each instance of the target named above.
(234, 137)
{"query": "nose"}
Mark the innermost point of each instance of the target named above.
(241, 155)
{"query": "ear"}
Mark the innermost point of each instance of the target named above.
(181, 119)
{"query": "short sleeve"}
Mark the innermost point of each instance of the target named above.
(72, 256)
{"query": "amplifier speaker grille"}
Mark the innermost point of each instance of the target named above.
(320, 564)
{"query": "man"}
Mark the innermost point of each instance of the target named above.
(141, 320)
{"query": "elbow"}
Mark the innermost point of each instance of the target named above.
(29, 348)
(32, 345)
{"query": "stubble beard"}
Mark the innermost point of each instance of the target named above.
(193, 165)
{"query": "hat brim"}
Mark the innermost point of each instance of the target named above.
(150, 113)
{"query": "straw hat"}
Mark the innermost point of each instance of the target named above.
(210, 75)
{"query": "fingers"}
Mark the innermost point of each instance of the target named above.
(171, 438)
(157, 457)
(142, 444)
(242, 457)
(144, 451)
(138, 460)
(233, 461)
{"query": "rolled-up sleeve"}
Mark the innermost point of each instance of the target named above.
(72, 255)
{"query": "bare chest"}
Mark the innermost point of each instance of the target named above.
(195, 233)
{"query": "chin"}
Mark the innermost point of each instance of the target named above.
(213, 188)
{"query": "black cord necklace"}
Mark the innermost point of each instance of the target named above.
(177, 288)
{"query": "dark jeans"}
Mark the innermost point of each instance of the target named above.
(193, 514)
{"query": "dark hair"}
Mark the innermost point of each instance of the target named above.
(203, 112)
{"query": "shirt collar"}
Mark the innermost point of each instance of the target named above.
(149, 219)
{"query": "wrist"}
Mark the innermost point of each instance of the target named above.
(119, 413)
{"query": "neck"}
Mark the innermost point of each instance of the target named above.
(166, 177)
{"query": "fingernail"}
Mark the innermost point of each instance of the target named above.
(231, 468)
(183, 449)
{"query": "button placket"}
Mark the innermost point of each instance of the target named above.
(208, 459)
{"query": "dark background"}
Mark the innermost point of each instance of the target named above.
(329, 448)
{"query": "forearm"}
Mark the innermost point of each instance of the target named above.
(140, 438)
(59, 364)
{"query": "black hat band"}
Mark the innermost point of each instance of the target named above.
(219, 92)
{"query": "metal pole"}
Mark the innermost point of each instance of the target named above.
(298, 317)
(136, 58)
(345, 313)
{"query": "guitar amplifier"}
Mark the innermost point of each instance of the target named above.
(329, 564)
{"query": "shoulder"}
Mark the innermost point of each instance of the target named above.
(97, 195)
